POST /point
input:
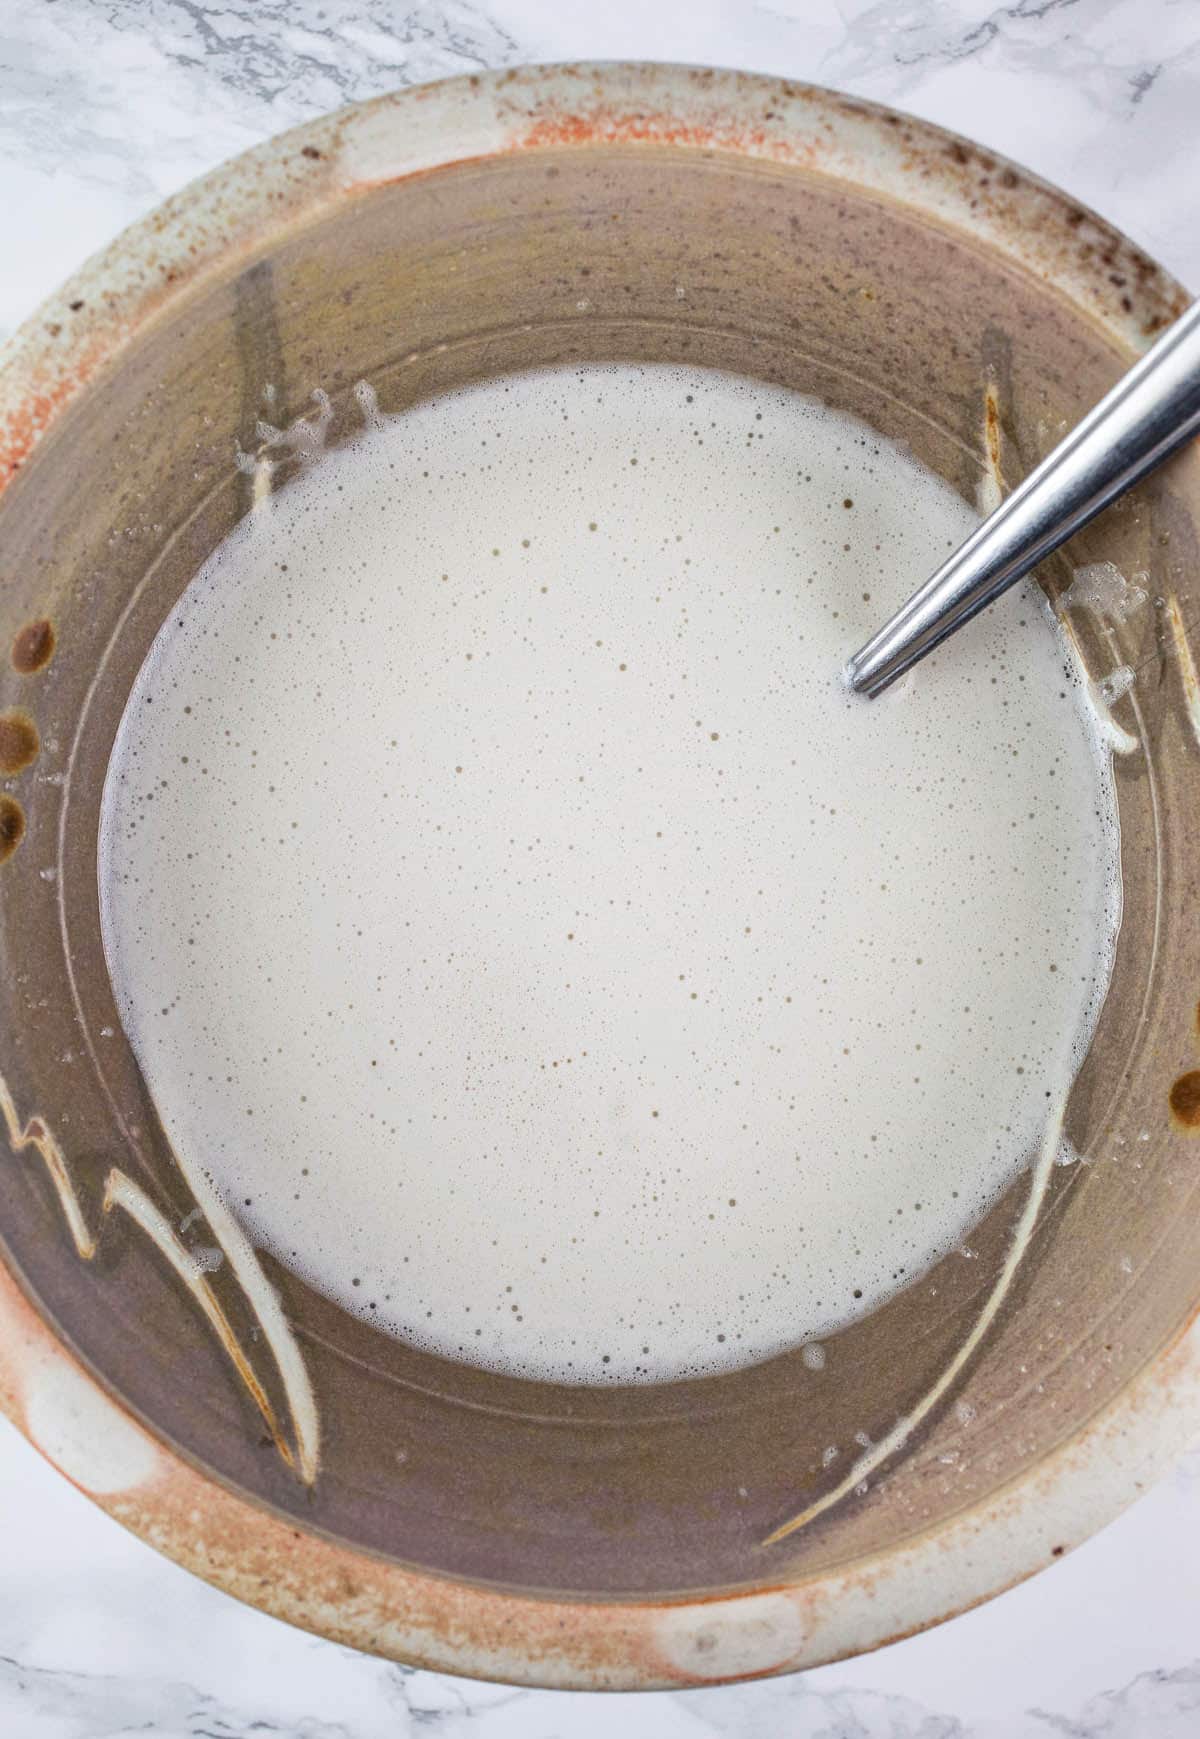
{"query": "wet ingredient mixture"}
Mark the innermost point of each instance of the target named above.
(540, 949)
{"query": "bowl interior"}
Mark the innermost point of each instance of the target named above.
(564, 254)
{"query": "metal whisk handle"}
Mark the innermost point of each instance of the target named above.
(1150, 412)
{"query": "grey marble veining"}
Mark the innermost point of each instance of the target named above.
(106, 106)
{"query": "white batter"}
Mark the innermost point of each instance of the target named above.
(537, 945)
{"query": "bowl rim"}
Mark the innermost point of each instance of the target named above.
(65, 1408)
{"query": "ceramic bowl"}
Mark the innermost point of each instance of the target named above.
(998, 1409)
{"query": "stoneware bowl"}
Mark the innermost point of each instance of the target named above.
(996, 1411)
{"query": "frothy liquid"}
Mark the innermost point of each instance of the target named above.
(537, 945)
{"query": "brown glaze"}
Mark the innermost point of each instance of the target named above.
(12, 826)
(19, 741)
(1185, 1099)
(819, 244)
(33, 646)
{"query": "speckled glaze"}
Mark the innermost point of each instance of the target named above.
(387, 1497)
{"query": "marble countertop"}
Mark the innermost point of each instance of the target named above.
(106, 106)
